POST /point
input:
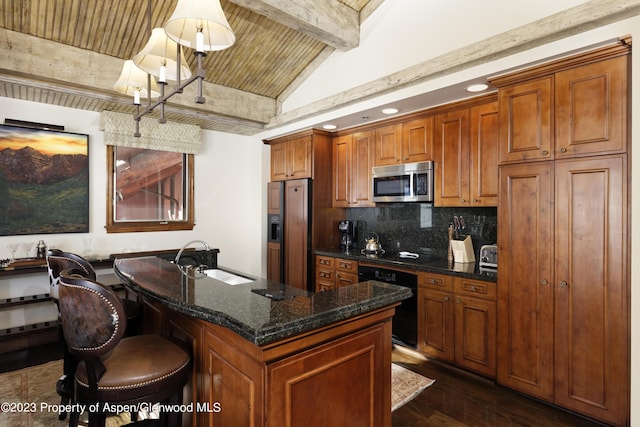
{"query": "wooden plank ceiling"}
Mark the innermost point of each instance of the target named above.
(70, 52)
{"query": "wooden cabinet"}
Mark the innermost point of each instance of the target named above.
(352, 162)
(417, 140)
(590, 287)
(296, 236)
(406, 142)
(465, 156)
(457, 321)
(388, 145)
(325, 273)
(288, 382)
(483, 154)
(333, 272)
(579, 111)
(292, 159)
(525, 294)
(563, 308)
(300, 387)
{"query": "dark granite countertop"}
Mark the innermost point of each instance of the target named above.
(259, 319)
(432, 263)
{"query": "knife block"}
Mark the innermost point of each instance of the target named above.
(463, 250)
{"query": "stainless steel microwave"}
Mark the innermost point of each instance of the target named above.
(409, 182)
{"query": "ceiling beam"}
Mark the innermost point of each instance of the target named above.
(576, 20)
(50, 65)
(328, 21)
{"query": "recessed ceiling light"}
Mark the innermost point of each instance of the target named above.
(390, 111)
(329, 127)
(477, 87)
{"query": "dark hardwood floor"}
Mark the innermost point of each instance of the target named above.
(458, 398)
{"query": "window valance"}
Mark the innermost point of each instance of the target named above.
(177, 137)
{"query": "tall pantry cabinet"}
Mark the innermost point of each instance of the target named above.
(563, 281)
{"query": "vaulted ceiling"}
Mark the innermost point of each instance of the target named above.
(70, 53)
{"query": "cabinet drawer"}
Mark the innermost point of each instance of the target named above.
(436, 281)
(325, 274)
(345, 279)
(324, 261)
(475, 288)
(346, 265)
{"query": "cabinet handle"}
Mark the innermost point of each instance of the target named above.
(563, 284)
(476, 201)
(543, 282)
(458, 301)
(464, 201)
(563, 150)
(446, 299)
(545, 152)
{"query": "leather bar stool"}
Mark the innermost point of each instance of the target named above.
(57, 261)
(113, 369)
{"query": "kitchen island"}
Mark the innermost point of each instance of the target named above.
(266, 354)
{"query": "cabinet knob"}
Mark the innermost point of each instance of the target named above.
(544, 282)
(545, 152)
(476, 201)
(563, 284)
(446, 299)
(464, 201)
(458, 301)
(563, 150)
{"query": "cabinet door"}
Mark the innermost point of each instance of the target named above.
(274, 255)
(484, 140)
(526, 121)
(591, 297)
(525, 278)
(344, 380)
(297, 235)
(417, 140)
(279, 161)
(451, 159)
(436, 332)
(590, 107)
(388, 145)
(361, 163)
(341, 171)
(300, 157)
(475, 337)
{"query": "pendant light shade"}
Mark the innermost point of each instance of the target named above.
(159, 58)
(200, 16)
(133, 79)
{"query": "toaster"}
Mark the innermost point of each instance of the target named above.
(489, 256)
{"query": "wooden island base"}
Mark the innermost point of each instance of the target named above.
(334, 375)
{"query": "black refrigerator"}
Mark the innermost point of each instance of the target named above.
(289, 233)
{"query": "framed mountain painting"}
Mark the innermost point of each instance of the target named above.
(44, 181)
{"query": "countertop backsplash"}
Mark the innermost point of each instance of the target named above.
(421, 228)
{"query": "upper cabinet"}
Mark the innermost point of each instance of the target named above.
(465, 156)
(352, 163)
(292, 159)
(575, 112)
(406, 142)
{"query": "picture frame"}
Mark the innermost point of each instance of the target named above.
(44, 181)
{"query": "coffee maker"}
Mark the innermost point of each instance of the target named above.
(347, 230)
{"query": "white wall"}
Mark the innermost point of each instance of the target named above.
(228, 194)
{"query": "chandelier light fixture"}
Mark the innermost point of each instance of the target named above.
(196, 24)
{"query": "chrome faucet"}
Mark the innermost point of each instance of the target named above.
(177, 259)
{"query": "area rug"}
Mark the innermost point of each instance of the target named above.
(405, 385)
(28, 397)
(31, 395)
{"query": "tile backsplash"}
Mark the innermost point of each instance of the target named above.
(422, 228)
